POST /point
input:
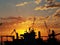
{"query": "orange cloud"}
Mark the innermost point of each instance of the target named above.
(38, 1)
(43, 8)
(26, 3)
(52, 3)
(22, 4)
(57, 13)
(38, 24)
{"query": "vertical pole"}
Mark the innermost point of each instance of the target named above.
(39, 35)
(12, 38)
(1, 40)
(17, 37)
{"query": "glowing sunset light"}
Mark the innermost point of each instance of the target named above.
(29, 22)
(22, 26)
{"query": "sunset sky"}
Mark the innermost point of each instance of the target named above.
(13, 15)
(24, 8)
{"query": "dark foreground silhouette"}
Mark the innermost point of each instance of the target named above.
(28, 38)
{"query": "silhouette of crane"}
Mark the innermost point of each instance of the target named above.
(33, 23)
(34, 19)
(14, 31)
(48, 30)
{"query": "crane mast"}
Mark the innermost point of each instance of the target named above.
(32, 26)
(33, 23)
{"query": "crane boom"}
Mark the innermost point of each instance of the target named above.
(32, 26)
(48, 30)
(34, 19)
(13, 31)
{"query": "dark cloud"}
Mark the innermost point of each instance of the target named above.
(12, 20)
(44, 8)
(52, 3)
(7, 18)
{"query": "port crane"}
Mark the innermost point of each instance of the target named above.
(33, 23)
(10, 36)
(48, 31)
(14, 31)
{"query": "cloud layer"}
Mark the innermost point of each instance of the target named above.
(38, 1)
(30, 2)
(50, 4)
(22, 4)
(57, 13)
(44, 8)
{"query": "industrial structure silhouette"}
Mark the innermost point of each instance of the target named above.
(28, 38)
